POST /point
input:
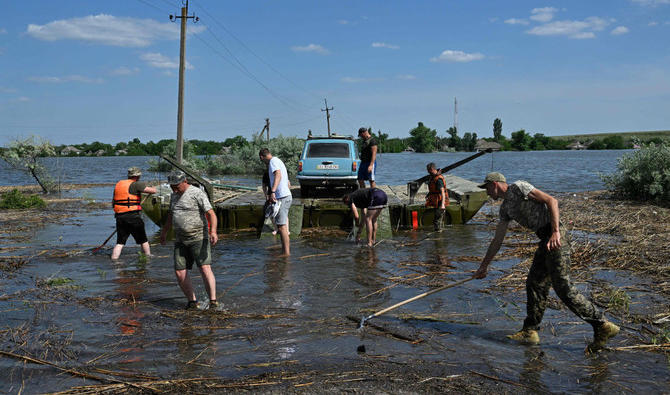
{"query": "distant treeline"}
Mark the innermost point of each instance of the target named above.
(421, 139)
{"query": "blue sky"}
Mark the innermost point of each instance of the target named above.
(94, 70)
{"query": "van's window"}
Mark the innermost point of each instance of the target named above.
(328, 150)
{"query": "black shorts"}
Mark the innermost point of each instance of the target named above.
(130, 224)
(379, 199)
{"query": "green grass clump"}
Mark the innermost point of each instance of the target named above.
(619, 300)
(661, 338)
(59, 281)
(17, 200)
(141, 260)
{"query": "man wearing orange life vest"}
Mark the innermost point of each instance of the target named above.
(127, 211)
(437, 196)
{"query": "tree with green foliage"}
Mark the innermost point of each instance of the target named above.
(539, 142)
(454, 141)
(189, 158)
(614, 142)
(395, 145)
(643, 174)
(468, 142)
(235, 142)
(24, 155)
(521, 140)
(497, 129)
(423, 138)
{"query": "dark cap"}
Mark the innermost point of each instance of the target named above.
(362, 130)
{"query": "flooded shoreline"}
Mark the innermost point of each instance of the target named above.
(283, 323)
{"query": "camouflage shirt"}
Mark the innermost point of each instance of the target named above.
(188, 214)
(526, 211)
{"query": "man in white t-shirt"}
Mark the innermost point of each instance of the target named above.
(279, 192)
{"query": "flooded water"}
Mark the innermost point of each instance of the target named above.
(557, 171)
(282, 314)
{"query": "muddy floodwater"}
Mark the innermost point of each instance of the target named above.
(292, 324)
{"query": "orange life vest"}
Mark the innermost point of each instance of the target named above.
(434, 196)
(123, 201)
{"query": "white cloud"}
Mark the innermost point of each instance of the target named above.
(651, 3)
(493, 19)
(7, 90)
(544, 14)
(3, 31)
(619, 30)
(457, 56)
(109, 30)
(160, 61)
(68, 78)
(653, 23)
(343, 22)
(515, 21)
(572, 29)
(407, 77)
(123, 70)
(356, 80)
(584, 35)
(384, 45)
(21, 99)
(311, 48)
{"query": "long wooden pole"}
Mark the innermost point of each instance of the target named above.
(412, 299)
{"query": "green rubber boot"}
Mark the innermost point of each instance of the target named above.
(526, 336)
(601, 334)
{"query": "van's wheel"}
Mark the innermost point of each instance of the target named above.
(304, 191)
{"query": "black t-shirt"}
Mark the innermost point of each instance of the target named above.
(366, 149)
(361, 197)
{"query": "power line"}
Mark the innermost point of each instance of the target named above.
(151, 5)
(254, 53)
(283, 100)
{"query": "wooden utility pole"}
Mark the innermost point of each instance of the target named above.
(182, 65)
(266, 129)
(327, 110)
(455, 114)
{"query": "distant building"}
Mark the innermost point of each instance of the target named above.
(69, 150)
(409, 149)
(576, 145)
(100, 152)
(121, 152)
(483, 145)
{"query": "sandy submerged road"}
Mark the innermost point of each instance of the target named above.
(74, 321)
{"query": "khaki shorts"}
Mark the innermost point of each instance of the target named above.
(284, 207)
(185, 254)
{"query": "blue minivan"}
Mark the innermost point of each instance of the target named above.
(328, 162)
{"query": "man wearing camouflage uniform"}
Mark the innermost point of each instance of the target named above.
(538, 212)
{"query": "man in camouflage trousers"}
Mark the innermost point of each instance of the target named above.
(538, 211)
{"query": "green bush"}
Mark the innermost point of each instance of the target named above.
(244, 159)
(17, 200)
(643, 174)
(189, 158)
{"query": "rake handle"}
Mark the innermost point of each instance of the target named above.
(423, 295)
